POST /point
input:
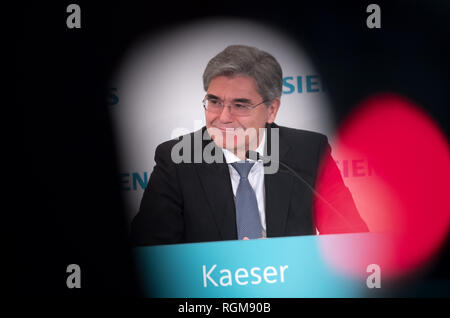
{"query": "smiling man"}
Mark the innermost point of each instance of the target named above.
(239, 126)
(232, 197)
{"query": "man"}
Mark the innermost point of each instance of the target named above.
(228, 198)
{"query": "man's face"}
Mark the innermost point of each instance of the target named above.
(229, 89)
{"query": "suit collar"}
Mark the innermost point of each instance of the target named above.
(231, 157)
(283, 144)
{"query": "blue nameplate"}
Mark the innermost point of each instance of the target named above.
(275, 267)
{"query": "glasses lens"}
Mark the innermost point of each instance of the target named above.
(237, 109)
(240, 109)
(213, 105)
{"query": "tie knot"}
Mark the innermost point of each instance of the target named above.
(243, 167)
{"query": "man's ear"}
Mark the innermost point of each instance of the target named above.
(273, 110)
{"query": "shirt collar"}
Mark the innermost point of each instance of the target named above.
(230, 157)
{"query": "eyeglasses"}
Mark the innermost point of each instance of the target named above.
(237, 108)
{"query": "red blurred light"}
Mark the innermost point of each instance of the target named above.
(407, 197)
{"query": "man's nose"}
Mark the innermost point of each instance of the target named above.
(226, 116)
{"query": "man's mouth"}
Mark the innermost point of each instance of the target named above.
(228, 129)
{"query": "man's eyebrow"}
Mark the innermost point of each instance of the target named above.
(212, 96)
(242, 100)
(235, 100)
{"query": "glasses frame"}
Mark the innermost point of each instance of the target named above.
(249, 107)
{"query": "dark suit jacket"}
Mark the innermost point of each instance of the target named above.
(193, 202)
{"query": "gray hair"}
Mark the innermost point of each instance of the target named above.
(247, 61)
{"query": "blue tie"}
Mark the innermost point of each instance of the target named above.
(247, 215)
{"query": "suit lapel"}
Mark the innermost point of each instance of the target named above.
(278, 196)
(278, 188)
(216, 183)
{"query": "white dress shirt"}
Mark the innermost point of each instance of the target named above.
(255, 177)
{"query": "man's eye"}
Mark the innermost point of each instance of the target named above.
(213, 101)
(239, 105)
